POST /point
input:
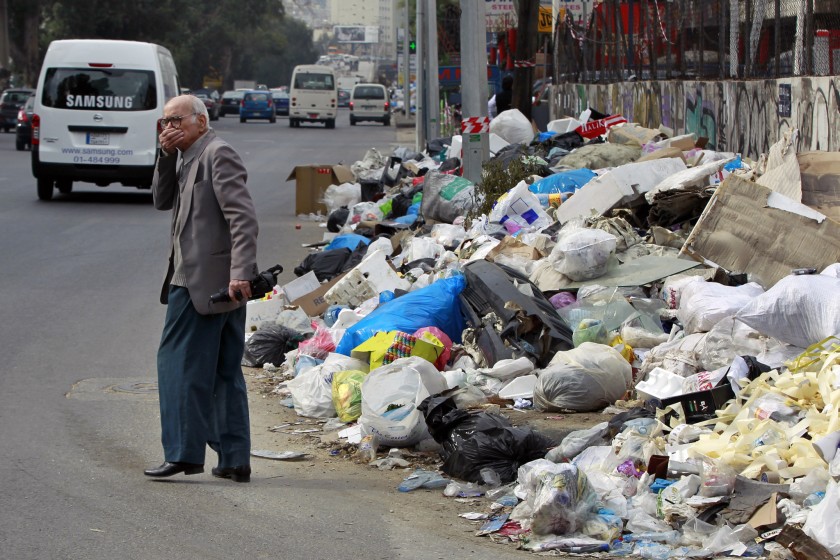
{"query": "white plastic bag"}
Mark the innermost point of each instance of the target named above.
(365, 211)
(390, 396)
(513, 127)
(798, 310)
(586, 378)
(823, 522)
(345, 194)
(312, 389)
(583, 254)
(519, 208)
(703, 304)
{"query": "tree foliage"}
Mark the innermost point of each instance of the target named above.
(234, 39)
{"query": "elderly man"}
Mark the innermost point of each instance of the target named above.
(203, 397)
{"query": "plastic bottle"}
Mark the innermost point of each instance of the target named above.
(813, 499)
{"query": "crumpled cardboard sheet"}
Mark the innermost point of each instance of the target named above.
(747, 228)
(782, 173)
(820, 172)
(811, 383)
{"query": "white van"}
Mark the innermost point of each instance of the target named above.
(313, 96)
(96, 110)
(369, 102)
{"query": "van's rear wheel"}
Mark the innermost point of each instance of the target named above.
(64, 186)
(45, 188)
(330, 123)
(241, 119)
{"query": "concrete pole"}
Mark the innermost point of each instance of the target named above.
(406, 68)
(422, 58)
(475, 147)
(432, 85)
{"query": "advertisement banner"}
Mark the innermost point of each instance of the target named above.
(356, 33)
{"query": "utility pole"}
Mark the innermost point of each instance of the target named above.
(422, 58)
(526, 49)
(475, 141)
(406, 69)
(432, 86)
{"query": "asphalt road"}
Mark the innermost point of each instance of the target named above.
(80, 322)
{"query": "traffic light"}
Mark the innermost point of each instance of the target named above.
(412, 47)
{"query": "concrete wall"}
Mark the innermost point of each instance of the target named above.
(736, 116)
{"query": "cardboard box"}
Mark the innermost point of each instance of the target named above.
(747, 228)
(314, 303)
(311, 181)
(701, 405)
(820, 173)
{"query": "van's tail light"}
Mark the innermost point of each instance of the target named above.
(350, 105)
(242, 103)
(270, 103)
(22, 116)
(36, 129)
(386, 105)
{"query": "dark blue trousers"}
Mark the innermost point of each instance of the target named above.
(203, 397)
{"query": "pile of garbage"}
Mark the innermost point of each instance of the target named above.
(691, 295)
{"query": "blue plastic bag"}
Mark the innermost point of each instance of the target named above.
(347, 240)
(433, 306)
(563, 182)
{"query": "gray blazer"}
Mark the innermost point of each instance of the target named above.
(215, 217)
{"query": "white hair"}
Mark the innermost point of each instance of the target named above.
(199, 108)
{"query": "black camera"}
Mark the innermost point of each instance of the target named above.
(261, 285)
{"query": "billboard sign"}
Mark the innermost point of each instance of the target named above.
(356, 33)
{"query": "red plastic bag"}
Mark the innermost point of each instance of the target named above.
(319, 345)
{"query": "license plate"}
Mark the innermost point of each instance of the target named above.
(98, 138)
(313, 115)
(368, 107)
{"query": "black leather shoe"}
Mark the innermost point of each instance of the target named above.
(170, 469)
(242, 473)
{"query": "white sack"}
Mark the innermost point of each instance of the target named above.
(798, 310)
(312, 389)
(513, 126)
(585, 378)
(401, 386)
(704, 304)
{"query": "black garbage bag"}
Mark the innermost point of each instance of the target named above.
(269, 345)
(449, 164)
(438, 145)
(472, 441)
(399, 206)
(337, 219)
(567, 141)
(326, 265)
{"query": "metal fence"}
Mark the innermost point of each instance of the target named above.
(698, 39)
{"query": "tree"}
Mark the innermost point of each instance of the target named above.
(526, 50)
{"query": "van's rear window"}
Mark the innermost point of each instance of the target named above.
(99, 89)
(307, 80)
(369, 93)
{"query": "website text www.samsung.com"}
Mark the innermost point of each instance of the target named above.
(97, 155)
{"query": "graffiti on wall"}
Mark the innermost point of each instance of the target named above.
(735, 116)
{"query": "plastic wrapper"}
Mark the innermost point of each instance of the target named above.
(590, 330)
(472, 442)
(448, 235)
(562, 299)
(312, 392)
(391, 395)
(583, 254)
(823, 524)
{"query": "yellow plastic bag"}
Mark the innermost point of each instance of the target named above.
(347, 394)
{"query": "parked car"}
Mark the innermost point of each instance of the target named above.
(231, 101)
(10, 103)
(369, 102)
(211, 104)
(23, 131)
(343, 98)
(257, 105)
(281, 101)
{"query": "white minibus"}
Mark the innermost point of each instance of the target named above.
(313, 95)
(96, 110)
